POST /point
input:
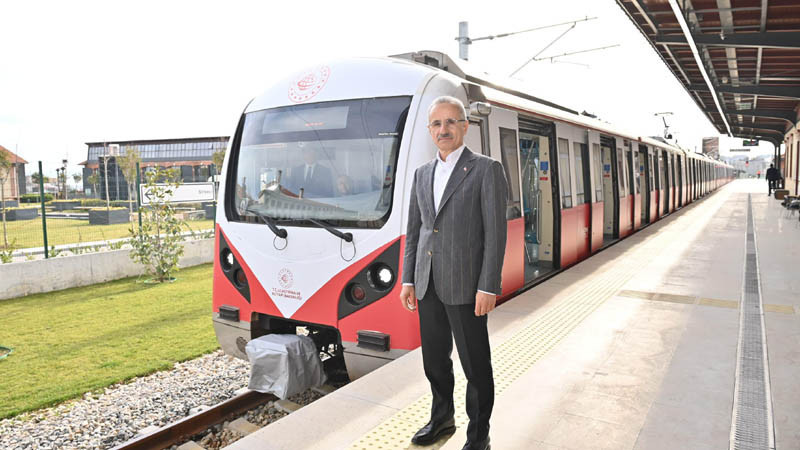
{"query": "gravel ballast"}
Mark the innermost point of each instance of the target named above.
(116, 415)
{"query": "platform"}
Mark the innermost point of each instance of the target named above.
(636, 348)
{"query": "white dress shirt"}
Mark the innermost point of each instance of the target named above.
(441, 175)
(442, 172)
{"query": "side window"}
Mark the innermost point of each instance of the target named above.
(508, 149)
(577, 150)
(565, 185)
(597, 167)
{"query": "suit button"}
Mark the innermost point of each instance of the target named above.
(435, 230)
(430, 253)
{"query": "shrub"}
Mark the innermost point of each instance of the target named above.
(34, 198)
(157, 245)
(93, 202)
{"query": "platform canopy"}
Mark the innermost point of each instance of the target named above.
(738, 59)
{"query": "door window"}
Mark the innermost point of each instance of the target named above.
(565, 185)
(580, 188)
(597, 167)
(508, 147)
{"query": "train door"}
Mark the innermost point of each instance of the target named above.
(537, 197)
(652, 175)
(583, 203)
(610, 199)
(635, 188)
(673, 191)
(679, 171)
(657, 163)
(665, 184)
(626, 191)
(503, 143)
(644, 185)
(596, 191)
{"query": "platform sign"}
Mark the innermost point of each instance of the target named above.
(750, 142)
(739, 150)
(185, 193)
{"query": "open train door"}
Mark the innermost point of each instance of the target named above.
(536, 140)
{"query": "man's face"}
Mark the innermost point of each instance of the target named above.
(447, 136)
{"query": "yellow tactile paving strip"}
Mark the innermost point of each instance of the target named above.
(520, 352)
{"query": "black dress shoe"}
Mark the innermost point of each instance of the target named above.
(483, 445)
(431, 432)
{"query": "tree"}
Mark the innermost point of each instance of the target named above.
(94, 179)
(76, 177)
(5, 171)
(127, 164)
(157, 244)
(218, 158)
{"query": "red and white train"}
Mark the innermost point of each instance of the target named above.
(315, 191)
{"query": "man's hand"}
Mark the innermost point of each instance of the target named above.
(408, 297)
(483, 303)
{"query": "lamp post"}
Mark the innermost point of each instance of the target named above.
(64, 175)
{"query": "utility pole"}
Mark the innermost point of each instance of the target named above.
(463, 40)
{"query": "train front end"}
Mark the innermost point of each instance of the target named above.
(310, 225)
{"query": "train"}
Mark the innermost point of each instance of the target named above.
(315, 187)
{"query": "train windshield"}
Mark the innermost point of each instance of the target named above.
(332, 161)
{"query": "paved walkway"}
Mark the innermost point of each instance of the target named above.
(636, 348)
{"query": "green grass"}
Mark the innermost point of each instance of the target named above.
(28, 233)
(74, 341)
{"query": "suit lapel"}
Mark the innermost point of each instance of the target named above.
(460, 171)
(428, 189)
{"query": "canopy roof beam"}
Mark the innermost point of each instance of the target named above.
(767, 39)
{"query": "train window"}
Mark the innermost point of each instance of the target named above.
(597, 167)
(565, 177)
(508, 150)
(577, 150)
(332, 161)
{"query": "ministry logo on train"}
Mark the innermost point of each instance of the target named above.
(307, 85)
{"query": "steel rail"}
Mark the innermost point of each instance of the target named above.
(183, 429)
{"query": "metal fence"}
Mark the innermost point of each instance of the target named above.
(44, 226)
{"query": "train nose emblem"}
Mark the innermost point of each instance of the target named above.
(285, 278)
(308, 84)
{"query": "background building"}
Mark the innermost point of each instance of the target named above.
(14, 185)
(193, 156)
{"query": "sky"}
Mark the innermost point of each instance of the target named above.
(86, 71)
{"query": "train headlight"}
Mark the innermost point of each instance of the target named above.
(239, 278)
(385, 276)
(226, 260)
(380, 277)
(357, 293)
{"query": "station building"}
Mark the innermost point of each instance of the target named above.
(193, 156)
(14, 183)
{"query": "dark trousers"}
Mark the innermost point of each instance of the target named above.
(439, 324)
(772, 184)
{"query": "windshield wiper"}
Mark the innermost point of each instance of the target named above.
(347, 237)
(270, 222)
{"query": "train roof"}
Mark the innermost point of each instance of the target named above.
(511, 92)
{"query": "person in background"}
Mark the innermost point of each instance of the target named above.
(772, 178)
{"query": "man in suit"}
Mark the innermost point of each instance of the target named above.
(314, 178)
(455, 244)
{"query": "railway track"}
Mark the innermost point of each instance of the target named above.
(189, 430)
(195, 424)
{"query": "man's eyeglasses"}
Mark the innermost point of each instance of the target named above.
(447, 122)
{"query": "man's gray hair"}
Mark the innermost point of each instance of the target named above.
(449, 100)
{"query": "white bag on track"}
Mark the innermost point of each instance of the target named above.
(284, 364)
